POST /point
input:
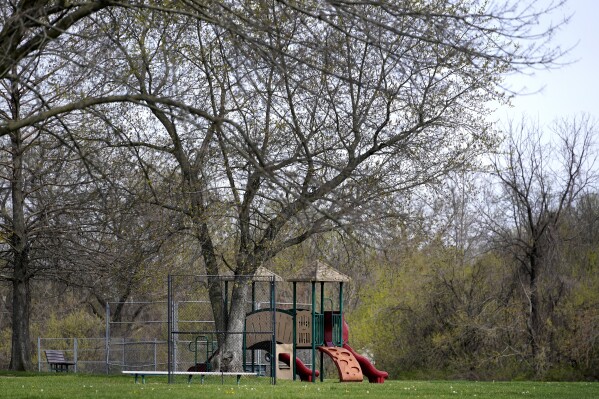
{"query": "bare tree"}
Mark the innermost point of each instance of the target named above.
(538, 183)
(309, 120)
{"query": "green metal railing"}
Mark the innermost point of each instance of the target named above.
(337, 329)
(202, 340)
(319, 329)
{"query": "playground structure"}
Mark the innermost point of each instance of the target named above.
(280, 334)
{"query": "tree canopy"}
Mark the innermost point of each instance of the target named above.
(255, 124)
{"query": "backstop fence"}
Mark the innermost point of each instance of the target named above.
(170, 335)
(136, 339)
(193, 336)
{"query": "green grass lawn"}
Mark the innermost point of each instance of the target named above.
(48, 386)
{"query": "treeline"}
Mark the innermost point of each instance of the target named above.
(444, 292)
(431, 310)
(501, 280)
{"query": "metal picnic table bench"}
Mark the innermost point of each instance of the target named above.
(190, 374)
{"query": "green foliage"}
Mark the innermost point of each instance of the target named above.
(5, 337)
(438, 315)
(77, 324)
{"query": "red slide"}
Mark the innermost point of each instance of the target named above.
(368, 369)
(304, 372)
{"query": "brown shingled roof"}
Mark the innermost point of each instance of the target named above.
(319, 271)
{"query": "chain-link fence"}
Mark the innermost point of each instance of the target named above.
(136, 338)
(87, 354)
(137, 333)
(191, 322)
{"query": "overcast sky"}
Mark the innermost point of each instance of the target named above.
(572, 89)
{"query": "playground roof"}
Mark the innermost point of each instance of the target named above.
(319, 271)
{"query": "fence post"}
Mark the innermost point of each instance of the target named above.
(155, 357)
(169, 313)
(75, 349)
(175, 328)
(107, 338)
(39, 354)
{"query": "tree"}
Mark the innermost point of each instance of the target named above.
(538, 184)
(48, 179)
(301, 121)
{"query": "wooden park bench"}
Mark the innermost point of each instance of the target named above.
(57, 361)
(189, 374)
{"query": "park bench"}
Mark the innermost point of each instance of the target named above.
(57, 361)
(189, 374)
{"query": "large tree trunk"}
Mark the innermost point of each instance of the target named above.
(230, 353)
(21, 304)
(215, 290)
(21, 296)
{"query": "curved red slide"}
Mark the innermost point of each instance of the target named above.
(368, 369)
(304, 372)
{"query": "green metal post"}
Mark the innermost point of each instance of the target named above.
(341, 312)
(273, 305)
(253, 309)
(322, 297)
(244, 350)
(294, 330)
(170, 330)
(314, 331)
(322, 313)
(253, 296)
(226, 300)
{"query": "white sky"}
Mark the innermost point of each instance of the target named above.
(572, 89)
